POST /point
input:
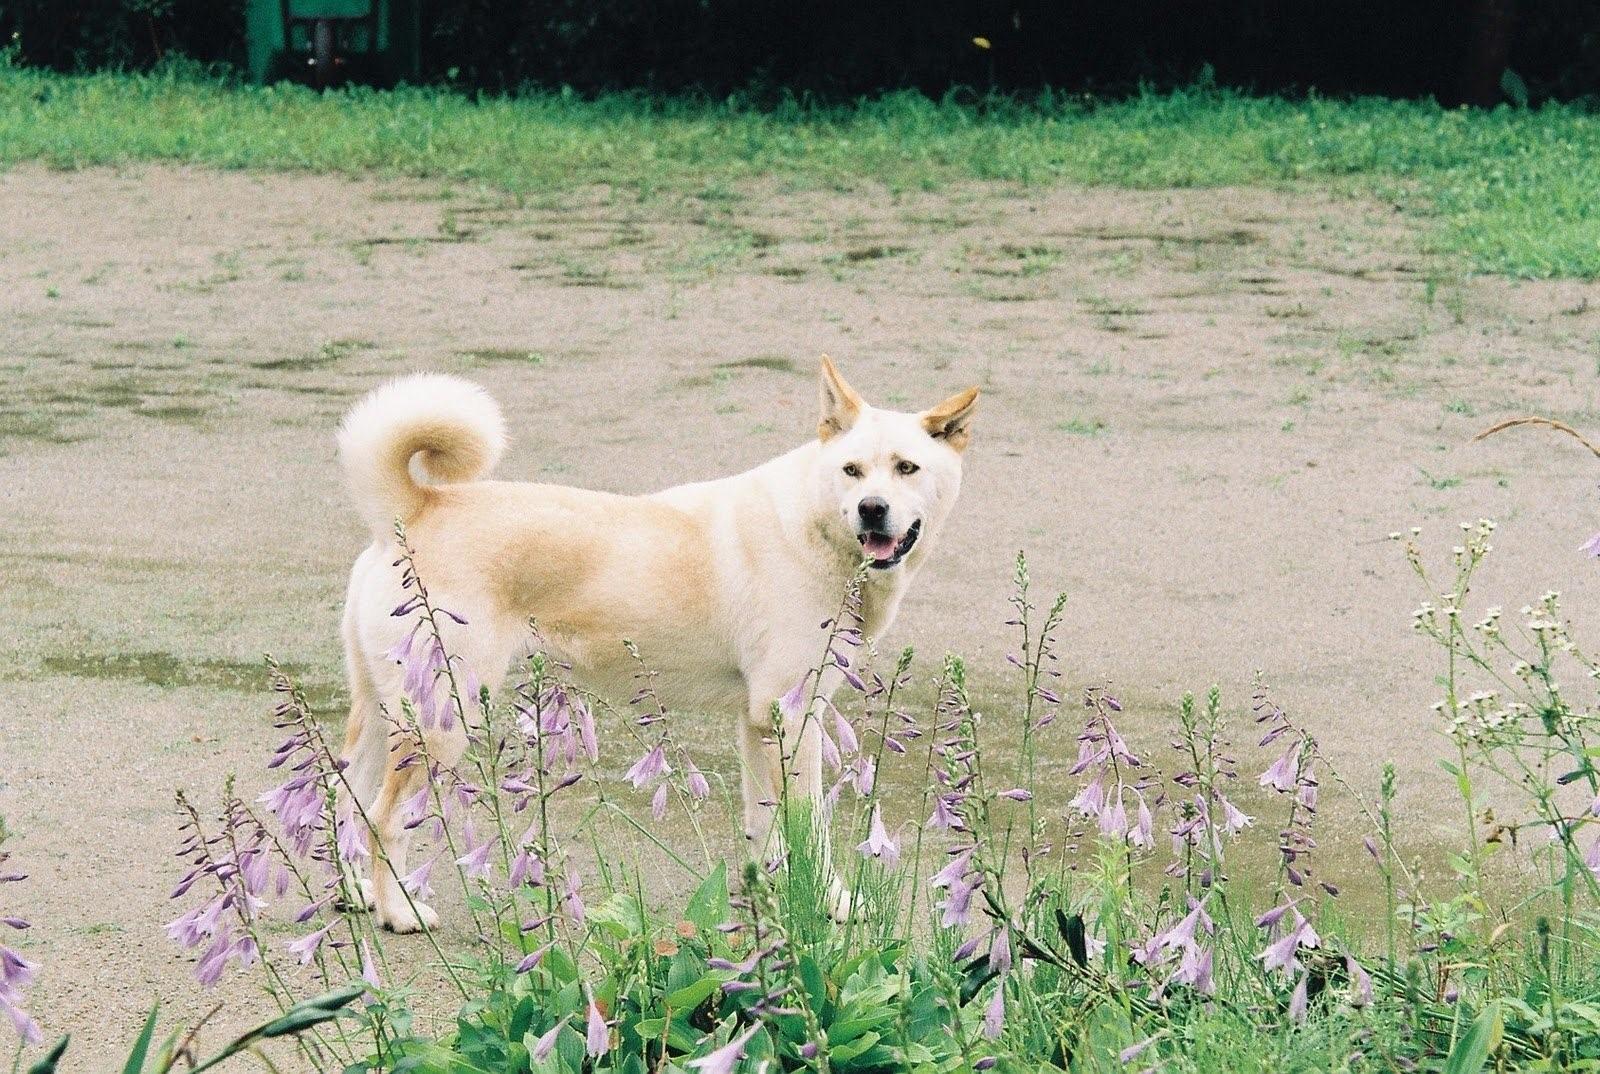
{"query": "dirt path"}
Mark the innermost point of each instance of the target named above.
(1203, 411)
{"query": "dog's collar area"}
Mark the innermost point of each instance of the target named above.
(901, 550)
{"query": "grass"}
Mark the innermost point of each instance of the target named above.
(1508, 191)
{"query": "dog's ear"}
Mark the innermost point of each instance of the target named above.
(951, 420)
(841, 406)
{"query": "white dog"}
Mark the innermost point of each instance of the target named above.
(720, 584)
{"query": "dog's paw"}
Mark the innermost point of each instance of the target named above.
(408, 918)
(840, 906)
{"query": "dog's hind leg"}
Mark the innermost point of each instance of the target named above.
(366, 735)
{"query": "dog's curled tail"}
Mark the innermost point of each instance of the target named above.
(452, 423)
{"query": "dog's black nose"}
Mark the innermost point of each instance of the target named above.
(874, 511)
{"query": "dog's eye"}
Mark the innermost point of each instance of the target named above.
(852, 470)
(906, 466)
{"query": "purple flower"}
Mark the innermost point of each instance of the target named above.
(878, 844)
(994, 1015)
(650, 767)
(305, 948)
(957, 903)
(597, 1035)
(1281, 776)
(1141, 835)
(1297, 1002)
(526, 868)
(351, 838)
(1360, 983)
(1132, 1052)
(1279, 955)
(1114, 818)
(475, 862)
(847, 734)
(15, 971)
(573, 900)
(416, 881)
(943, 817)
(658, 802)
(25, 1026)
(954, 870)
(1017, 794)
(533, 958)
(1000, 951)
(1591, 547)
(547, 1040)
(1091, 800)
(723, 1060)
(369, 972)
(585, 725)
(1234, 820)
(696, 781)
(208, 971)
(791, 703)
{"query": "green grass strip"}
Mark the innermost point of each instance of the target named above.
(1509, 191)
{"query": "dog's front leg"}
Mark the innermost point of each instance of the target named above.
(782, 762)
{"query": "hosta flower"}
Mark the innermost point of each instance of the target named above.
(1234, 820)
(1281, 775)
(305, 948)
(475, 862)
(533, 958)
(416, 881)
(994, 1015)
(725, 1058)
(1280, 954)
(369, 971)
(793, 703)
(526, 868)
(597, 1035)
(878, 844)
(652, 766)
(1000, 951)
(1141, 834)
(1360, 983)
(352, 838)
(1091, 800)
(1297, 1001)
(658, 802)
(943, 818)
(547, 1040)
(695, 780)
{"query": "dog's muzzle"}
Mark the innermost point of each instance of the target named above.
(883, 551)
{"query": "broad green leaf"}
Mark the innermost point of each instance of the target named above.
(708, 906)
(1472, 1051)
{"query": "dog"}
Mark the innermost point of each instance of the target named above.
(721, 585)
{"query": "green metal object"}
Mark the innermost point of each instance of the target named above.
(333, 42)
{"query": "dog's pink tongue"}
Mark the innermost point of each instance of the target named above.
(879, 546)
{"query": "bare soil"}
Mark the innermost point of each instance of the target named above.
(1203, 411)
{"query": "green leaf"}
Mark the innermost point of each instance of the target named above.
(1471, 1052)
(691, 996)
(47, 1065)
(620, 915)
(708, 906)
(1077, 938)
(141, 1047)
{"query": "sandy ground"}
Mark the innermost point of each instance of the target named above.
(1203, 411)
